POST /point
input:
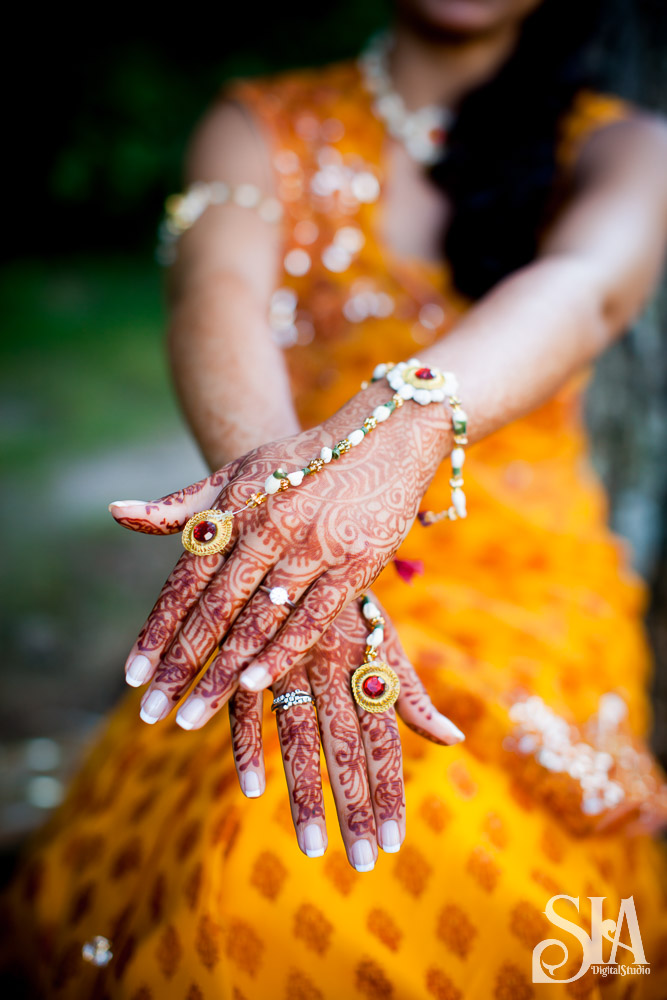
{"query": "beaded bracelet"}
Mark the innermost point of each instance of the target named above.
(375, 686)
(412, 380)
(209, 531)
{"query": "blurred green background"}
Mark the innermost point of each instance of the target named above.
(96, 120)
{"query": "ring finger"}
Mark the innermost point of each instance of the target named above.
(300, 745)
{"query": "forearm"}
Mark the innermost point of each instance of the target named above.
(516, 347)
(229, 374)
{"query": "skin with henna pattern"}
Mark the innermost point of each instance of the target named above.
(325, 543)
(362, 751)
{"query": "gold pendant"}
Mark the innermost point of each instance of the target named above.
(375, 686)
(207, 532)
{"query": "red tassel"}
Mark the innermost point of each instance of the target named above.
(407, 568)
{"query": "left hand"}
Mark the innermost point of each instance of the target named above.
(325, 542)
(362, 750)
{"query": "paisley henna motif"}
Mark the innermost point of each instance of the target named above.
(362, 751)
(335, 534)
(245, 719)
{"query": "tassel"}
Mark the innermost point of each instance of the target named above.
(407, 568)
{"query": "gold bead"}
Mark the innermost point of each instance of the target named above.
(370, 423)
(364, 385)
(460, 439)
(344, 446)
(398, 400)
(283, 485)
(255, 499)
(316, 464)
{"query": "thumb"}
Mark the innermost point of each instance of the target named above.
(169, 514)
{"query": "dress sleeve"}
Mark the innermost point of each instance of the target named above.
(591, 111)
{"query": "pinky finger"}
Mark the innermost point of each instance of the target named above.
(414, 704)
(245, 719)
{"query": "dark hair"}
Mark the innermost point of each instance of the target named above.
(500, 169)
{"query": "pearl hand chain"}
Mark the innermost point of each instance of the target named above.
(412, 380)
(209, 531)
(375, 686)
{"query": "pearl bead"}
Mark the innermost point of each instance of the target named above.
(375, 638)
(356, 437)
(459, 501)
(326, 455)
(381, 413)
(271, 484)
(295, 478)
(422, 396)
(370, 611)
(380, 371)
(451, 384)
(406, 391)
(458, 457)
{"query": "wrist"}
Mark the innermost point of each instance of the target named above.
(426, 431)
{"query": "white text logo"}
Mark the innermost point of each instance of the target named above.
(591, 947)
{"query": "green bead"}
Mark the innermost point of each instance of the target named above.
(335, 452)
(306, 471)
(279, 474)
(455, 473)
(459, 425)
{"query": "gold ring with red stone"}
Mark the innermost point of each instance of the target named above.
(207, 532)
(375, 686)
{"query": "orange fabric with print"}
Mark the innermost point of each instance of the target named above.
(525, 623)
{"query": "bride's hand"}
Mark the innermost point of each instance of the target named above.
(325, 542)
(362, 750)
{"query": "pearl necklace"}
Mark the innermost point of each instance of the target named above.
(422, 132)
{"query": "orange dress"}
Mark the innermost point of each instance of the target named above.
(525, 627)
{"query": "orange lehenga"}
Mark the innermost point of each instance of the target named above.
(525, 624)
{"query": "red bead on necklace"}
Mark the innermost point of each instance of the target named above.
(424, 374)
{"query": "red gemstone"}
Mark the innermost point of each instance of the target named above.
(424, 373)
(205, 531)
(374, 686)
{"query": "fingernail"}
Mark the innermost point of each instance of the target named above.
(153, 707)
(456, 733)
(390, 837)
(449, 732)
(138, 671)
(362, 856)
(190, 713)
(314, 841)
(127, 503)
(250, 785)
(255, 678)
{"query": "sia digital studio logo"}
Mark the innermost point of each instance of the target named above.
(625, 958)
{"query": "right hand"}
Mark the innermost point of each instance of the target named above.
(362, 750)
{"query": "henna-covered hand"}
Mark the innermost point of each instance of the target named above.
(325, 542)
(362, 750)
